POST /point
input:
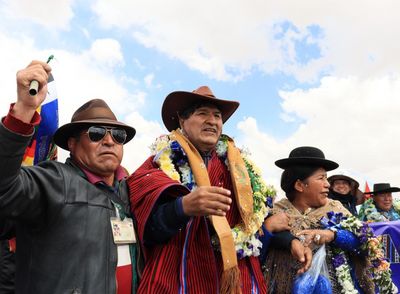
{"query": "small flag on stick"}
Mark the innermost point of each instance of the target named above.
(367, 190)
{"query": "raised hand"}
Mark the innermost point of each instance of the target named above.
(204, 201)
(26, 104)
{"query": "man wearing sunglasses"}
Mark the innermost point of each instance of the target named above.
(75, 232)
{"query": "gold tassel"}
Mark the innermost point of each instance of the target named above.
(230, 281)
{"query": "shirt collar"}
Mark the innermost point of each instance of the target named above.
(119, 174)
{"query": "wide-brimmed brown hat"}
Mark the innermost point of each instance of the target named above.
(177, 102)
(353, 185)
(306, 156)
(93, 112)
(381, 188)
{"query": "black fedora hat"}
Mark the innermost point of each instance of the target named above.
(178, 101)
(93, 112)
(306, 156)
(381, 188)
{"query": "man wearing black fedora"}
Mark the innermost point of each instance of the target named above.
(380, 207)
(197, 206)
(68, 215)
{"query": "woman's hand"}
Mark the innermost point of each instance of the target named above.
(302, 254)
(277, 223)
(318, 237)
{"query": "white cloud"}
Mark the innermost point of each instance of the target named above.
(226, 39)
(137, 151)
(148, 79)
(353, 120)
(106, 52)
(264, 150)
(48, 13)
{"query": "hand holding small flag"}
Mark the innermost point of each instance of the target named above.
(26, 104)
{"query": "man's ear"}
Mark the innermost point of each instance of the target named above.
(299, 186)
(71, 144)
(181, 120)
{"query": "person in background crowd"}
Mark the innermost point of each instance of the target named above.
(64, 212)
(345, 189)
(200, 204)
(380, 207)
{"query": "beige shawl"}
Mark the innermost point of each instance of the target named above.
(280, 268)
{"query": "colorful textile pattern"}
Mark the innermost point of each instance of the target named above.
(188, 263)
(41, 146)
(390, 234)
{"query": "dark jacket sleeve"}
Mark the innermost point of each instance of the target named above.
(7, 268)
(265, 240)
(7, 229)
(23, 189)
(166, 219)
(282, 240)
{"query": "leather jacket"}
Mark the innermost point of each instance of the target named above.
(64, 238)
(7, 268)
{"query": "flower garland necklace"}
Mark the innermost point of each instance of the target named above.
(371, 214)
(378, 267)
(172, 159)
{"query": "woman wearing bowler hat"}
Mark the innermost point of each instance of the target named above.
(311, 217)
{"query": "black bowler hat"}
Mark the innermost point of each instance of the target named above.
(306, 156)
(381, 188)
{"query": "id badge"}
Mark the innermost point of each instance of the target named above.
(123, 231)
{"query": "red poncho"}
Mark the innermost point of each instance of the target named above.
(187, 263)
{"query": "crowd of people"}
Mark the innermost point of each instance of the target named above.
(195, 217)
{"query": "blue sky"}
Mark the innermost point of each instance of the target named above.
(319, 73)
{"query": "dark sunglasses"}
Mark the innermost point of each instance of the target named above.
(97, 133)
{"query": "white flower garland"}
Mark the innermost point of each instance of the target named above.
(379, 267)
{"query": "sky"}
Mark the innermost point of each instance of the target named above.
(306, 73)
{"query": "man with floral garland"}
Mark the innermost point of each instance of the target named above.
(380, 207)
(201, 205)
